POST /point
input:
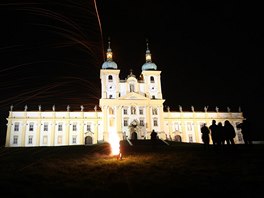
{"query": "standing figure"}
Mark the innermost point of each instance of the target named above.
(205, 135)
(214, 133)
(230, 133)
(245, 130)
(153, 135)
(221, 133)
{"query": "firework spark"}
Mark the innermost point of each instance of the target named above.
(51, 54)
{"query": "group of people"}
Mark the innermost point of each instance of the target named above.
(224, 134)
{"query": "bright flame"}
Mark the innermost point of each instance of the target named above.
(114, 142)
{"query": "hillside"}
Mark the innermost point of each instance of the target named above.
(145, 170)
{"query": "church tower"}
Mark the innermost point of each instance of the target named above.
(151, 77)
(153, 91)
(131, 108)
(109, 75)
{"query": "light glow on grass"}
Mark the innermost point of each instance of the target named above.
(115, 143)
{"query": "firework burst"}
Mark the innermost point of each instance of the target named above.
(51, 54)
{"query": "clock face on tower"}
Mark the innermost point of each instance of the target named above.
(110, 87)
(152, 88)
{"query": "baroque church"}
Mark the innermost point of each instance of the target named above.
(129, 108)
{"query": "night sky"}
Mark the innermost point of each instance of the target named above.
(210, 52)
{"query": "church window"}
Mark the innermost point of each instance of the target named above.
(60, 127)
(133, 110)
(190, 138)
(30, 139)
(111, 111)
(141, 111)
(132, 87)
(154, 111)
(31, 126)
(125, 122)
(152, 79)
(88, 127)
(74, 139)
(141, 122)
(110, 78)
(110, 96)
(16, 126)
(125, 111)
(15, 139)
(74, 127)
(155, 122)
(46, 127)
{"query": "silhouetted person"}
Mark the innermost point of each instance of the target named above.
(214, 133)
(134, 136)
(221, 134)
(230, 133)
(245, 130)
(205, 135)
(153, 135)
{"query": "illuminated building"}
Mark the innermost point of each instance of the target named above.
(129, 108)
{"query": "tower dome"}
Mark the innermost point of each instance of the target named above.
(109, 65)
(149, 66)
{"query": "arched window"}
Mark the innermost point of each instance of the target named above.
(110, 78)
(154, 111)
(152, 79)
(132, 87)
(133, 110)
(111, 111)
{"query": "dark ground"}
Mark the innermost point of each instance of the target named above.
(145, 170)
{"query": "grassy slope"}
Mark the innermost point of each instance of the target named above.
(144, 171)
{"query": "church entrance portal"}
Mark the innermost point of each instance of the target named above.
(88, 140)
(135, 131)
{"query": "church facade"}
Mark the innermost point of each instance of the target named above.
(129, 108)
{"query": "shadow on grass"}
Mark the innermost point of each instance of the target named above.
(145, 170)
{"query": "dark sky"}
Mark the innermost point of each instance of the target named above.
(210, 52)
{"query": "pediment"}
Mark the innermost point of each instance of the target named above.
(133, 96)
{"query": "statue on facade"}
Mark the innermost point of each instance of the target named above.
(95, 108)
(11, 108)
(216, 109)
(168, 108)
(82, 107)
(192, 107)
(239, 109)
(25, 108)
(53, 108)
(180, 108)
(228, 109)
(68, 107)
(39, 107)
(205, 108)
